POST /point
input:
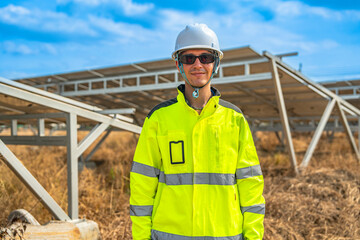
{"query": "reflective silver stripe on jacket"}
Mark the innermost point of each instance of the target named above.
(197, 178)
(247, 172)
(145, 169)
(157, 235)
(258, 208)
(141, 210)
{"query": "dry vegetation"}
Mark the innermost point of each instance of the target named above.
(321, 203)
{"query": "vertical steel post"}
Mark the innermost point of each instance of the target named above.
(41, 127)
(72, 166)
(14, 123)
(283, 114)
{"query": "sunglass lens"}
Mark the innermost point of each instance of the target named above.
(190, 58)
(206, 58)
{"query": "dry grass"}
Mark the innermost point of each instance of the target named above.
(322, 203)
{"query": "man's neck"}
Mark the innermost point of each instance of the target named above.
(200, 102)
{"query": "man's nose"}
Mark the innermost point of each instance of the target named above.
(197, 62)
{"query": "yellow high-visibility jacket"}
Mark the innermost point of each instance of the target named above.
(196, 176)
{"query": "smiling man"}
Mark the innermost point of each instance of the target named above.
(196, 174)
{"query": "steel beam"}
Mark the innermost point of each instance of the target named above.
(14, 126)
(48, 94)
(171, 85)
(31, 183)
(96, 147)
(61, 106)
(41, 127)
(33, 116)
(347, 129)
(320, 89)
(283, 114)
(319, 130)
(118, 111)
(91, 137)
(156, 74)
(35, 140)
(136, 106)
(257, 96)
(72, 166)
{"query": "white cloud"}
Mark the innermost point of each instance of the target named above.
(170, 19)
(28, 48)
(240, 24)
(11, 47)
(245, 27)
(121, 31)
(85, 2)
(12, 14)
(292, 9)
(129, 7)
(47, 21)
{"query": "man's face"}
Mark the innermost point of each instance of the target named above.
(197, 73)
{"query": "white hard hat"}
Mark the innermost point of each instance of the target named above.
(197, 36)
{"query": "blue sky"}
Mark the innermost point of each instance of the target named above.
(48, 37)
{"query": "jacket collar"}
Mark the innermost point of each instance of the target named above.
(214, 100)
(214, 91)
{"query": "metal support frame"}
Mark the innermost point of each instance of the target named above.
(257, 96)
(283, 115)
(70, 109)
(347, 129)
(96, 147)
(39, 139)
(118, 111)
(72, 166)
(138, 87)
(353, 88)
(31, 183)
(319, 130)
(14, 124)
(35, 140)
(52, 96)
(65, 107)
(91, 137)
(326, 93)
(319, 89)
(41, 127)
(280, 138)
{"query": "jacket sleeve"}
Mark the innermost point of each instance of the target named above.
(144, 180)
(250, 185)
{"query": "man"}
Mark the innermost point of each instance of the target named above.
(196, 174)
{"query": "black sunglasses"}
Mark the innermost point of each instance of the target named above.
(204, 58)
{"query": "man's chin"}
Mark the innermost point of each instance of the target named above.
(198, 84)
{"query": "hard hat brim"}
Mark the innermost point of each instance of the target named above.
(220, 53)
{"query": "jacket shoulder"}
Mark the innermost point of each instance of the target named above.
(162, 105)
(229, 105)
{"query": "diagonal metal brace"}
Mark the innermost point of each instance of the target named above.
(319, 130)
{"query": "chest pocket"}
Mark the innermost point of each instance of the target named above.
(177, 153)
(174, 148)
